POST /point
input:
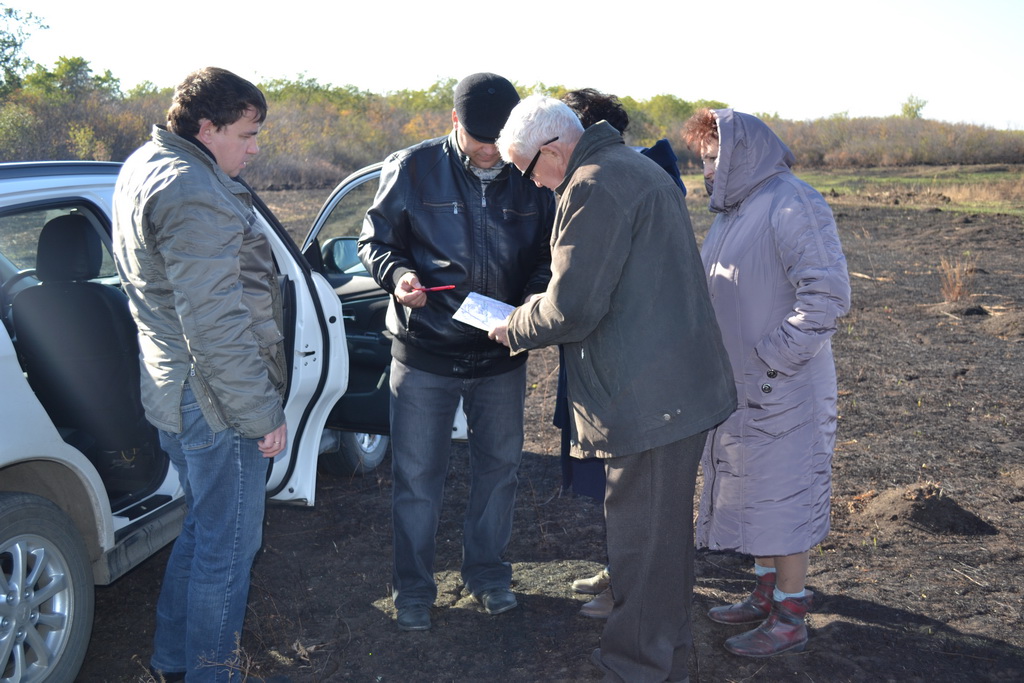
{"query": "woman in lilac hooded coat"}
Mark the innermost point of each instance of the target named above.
(778, 281)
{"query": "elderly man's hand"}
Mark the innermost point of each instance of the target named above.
(407, 294)
(499, 333)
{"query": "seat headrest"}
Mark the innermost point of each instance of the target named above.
(69, 249)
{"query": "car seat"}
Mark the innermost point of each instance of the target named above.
(79, 348)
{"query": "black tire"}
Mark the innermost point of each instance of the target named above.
(358, 453)
(46, 616)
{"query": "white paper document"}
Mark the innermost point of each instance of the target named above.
(482, 312)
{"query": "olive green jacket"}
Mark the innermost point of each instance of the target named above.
(200, 277)
(628, 301)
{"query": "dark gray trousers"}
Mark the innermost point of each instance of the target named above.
(649, 517)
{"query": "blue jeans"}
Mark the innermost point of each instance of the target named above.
(423, 408)
(206, 584)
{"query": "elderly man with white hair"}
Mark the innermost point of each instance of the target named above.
(647, 372)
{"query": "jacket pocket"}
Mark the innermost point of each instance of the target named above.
(590, 382)
(270, 339)
(777, 404)
(442, 206)
(520, 215)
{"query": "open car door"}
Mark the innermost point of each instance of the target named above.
(318, 358)
(331, 245)
(360, 418)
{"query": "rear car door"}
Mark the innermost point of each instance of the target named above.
(34, 194)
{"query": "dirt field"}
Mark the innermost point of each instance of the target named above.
(919, 580)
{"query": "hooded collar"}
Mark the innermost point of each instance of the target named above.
(749, 154)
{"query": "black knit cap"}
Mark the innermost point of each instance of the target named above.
(483, 102)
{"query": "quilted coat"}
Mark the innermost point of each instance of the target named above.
(778, 282)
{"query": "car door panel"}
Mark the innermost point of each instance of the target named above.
(330, 248)
(318, 359)
(364, 407)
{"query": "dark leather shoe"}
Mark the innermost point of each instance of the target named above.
(414, 618)
(595, 661)
(497, 600)
(166, 676)
(175, 676)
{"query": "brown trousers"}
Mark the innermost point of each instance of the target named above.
(648, 510)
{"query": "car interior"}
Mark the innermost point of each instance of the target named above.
(77, 345)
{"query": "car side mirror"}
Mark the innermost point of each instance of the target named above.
(341, 255)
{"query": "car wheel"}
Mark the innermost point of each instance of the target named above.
(46, 591)
(356, 453)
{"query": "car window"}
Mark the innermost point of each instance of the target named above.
(346, 218)
(339, 223)
(19, 234)
(343, 212)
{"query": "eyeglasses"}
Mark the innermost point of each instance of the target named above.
(528, 173)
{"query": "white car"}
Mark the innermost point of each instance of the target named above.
(86, 494)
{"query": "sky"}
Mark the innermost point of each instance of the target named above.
(800, 59)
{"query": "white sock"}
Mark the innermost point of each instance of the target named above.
(779, 596)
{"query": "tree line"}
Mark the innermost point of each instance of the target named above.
(318, 133)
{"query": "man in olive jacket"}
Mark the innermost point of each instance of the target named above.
(202, 284)
(647, 372)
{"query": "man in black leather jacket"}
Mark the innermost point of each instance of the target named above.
(450, 214)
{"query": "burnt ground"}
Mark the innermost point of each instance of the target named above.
(919, 580)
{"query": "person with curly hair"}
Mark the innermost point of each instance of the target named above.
(205, 294)
(778, 280)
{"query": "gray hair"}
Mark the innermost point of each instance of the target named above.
(533, 122)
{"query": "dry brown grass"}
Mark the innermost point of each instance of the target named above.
(296, 209)
(992, 192)
(957, 276)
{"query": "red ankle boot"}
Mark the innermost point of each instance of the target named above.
(784, 630)
(752, 609)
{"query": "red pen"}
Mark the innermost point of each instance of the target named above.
(433, 289)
